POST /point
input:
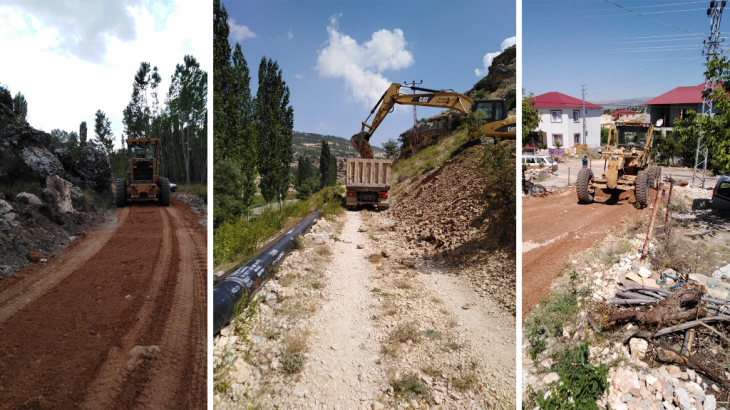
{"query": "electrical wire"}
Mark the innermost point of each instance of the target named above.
(622, 15)
(637, 7)
(649, 18)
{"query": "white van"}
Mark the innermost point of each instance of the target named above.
(539, 161)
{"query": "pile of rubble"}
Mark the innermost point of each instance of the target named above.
(539, 174)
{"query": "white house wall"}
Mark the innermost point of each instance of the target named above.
(568, 128)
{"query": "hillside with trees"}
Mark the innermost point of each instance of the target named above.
(309, 145)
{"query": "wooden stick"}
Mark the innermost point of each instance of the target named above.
(715, 331)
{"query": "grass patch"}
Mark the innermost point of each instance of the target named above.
(466, 381)
(410, 387)
(292, 363)
(405, 332)
(220, 373)
(452, 347)
(316, 284)
(240, 240)
(403, 284)
(376, 290)
(579, 384)
(375, 258)
(432, 334)
(299, 242)
(323, 250)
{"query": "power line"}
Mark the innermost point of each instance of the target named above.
(625, 15)
(637, 7)
(649, 18)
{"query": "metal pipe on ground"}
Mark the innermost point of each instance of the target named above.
(245, 281)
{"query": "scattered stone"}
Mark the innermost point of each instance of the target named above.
(550, 377)
(638, 347)
(34, 256)
(467, 306)
(27, 198)
(5, 207)
(271, 300)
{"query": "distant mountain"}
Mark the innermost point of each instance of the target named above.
(629, 102)
(310, 144)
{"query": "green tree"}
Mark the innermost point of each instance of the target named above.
(6, 98)
(59, 138)
(530, 116)
(73, 140)
(604, 135)
(137, 116)
(275, 123)
(327, 170)
(227, 182)
(391, 148)
(20, 107)
(83, 133)
(103, 132)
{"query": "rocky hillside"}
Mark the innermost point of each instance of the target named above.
(309, 144)
(500, 83)
(46, 194)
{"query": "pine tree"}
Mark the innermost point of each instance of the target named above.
(73, 139)
(103, 132)
(20, 107)
(82, 133)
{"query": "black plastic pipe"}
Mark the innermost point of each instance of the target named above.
(243, 283)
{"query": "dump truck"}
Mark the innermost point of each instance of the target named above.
(143, 182)
(367, 183)
(628, 164)
(498, 122)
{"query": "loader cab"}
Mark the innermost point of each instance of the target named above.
(493, 110)
(632, 135)
(143, 155)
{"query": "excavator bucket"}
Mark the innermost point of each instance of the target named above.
(360, 142)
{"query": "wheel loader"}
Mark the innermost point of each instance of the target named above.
(143, 182)
(499, 124)
(628, 165)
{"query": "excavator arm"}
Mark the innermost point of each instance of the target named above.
(392, 96)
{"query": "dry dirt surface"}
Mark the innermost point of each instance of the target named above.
(364, 318)
(117, 321)
(554, 226)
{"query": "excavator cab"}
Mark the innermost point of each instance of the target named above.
(493, 110)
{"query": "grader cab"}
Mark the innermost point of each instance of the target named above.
(143, 182)
(628, 165)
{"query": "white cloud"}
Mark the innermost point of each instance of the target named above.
(289, 35)
(63, 89)
(83, 28)
(322, 126)
(361, 66)
(508, 42)
(299, 76)
(240, 33)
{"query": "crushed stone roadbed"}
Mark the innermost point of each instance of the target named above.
(117, 321)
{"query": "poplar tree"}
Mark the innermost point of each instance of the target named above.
(327, 166)
(82, 133)
(103, 131)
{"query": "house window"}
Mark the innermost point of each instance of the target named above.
(576, 115)
(576, 138)
(556, 116)
(557, 140)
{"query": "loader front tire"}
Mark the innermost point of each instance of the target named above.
(583, 185)
(120, 197)
(641, 189)
(164, 185)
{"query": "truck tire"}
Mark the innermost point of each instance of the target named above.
(164, 185)
(654, 177)
(641, 189)
(120, 197)
(583, 184)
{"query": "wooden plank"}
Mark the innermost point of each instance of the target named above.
(648, 282)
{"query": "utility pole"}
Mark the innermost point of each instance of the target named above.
(714, 12)
(415, 116)
(585, 126)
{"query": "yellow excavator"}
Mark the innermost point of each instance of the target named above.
(499, 123)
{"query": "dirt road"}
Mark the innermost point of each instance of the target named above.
(117, 321)
(372, 321)
(556, 226)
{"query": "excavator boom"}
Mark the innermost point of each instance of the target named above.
(428, 98)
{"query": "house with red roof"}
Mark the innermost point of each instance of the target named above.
(562, 123)
(623, 115)
(672, 105)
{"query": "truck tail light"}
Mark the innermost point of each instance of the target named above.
(383, 195)
(351, 192)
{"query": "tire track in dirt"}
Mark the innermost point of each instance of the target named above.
(30, 288)
(178, 378)
(556, 226)
(108, 384)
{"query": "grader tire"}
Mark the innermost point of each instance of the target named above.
(641, 189)
(164, 185)
(120, 198)
(583, 184)
(654, 177)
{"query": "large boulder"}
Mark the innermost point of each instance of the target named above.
(13, 136)
(91, 168)
(42, 161)
(58, 191)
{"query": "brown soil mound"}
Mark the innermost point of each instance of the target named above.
(444, 216)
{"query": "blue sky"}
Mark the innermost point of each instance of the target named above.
(70, 59)
(335, 67)
(618, 55)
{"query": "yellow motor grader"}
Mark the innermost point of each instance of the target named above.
(499, 124)
(143, 182)
(628, 165)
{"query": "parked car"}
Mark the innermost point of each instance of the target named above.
(721, 194)
(173, 187)
(538, 161)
